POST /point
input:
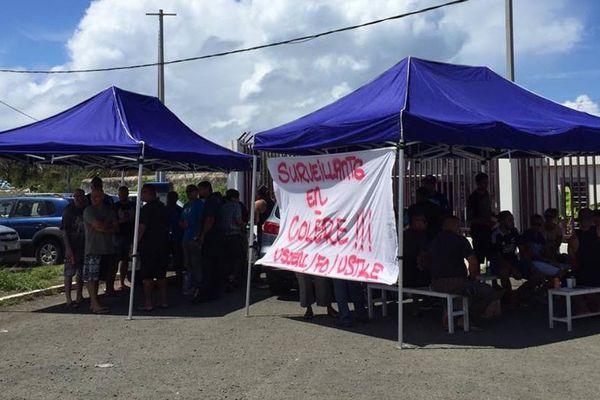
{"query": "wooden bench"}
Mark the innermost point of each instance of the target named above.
(464, 312)
(568, 293)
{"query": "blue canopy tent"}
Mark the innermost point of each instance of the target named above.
(117, 129)
(113, 129)
(428, 104)
(430, 109)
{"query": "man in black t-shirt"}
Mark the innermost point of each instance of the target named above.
(175, 232)
(211, 240)
(446, 257)
(74, 239)
(479, 216)
(504, 262)
(125, 210)
(153, 246)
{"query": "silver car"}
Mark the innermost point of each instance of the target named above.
(270, 230)
(10, 246)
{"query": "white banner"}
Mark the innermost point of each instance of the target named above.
(337, 216)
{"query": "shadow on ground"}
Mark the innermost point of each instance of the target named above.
(519, 329)
(523, 328)
(179, 306)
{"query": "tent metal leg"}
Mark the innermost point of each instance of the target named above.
(400, 229)
(138, 206)
(251, 233)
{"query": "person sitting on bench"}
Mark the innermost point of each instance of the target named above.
(585, 248)
(446, 257)
(504, 261)
(533, 249)
(553, 234)
(415, 243)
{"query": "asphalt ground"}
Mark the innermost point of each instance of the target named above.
(212, 351)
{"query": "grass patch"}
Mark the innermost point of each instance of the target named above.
(24, 280)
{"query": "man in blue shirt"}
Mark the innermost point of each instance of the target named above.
(192, 251)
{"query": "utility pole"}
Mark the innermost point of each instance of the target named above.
(510, 45)
(160, 177)
(509, 169)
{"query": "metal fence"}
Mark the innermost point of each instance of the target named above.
(456, 177)
(567, 184)
(456, 180)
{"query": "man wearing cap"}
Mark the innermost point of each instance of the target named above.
(97, 184)
(437, 198)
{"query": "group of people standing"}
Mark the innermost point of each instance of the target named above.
(204, 238)
(97, 235)
(211, 229)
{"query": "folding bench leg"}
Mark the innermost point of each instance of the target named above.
(569, 314)
(550, 309)
(465, 305)
(370, 301)
(450, 306)
(384, 302)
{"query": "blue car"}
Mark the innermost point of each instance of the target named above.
(37, 220)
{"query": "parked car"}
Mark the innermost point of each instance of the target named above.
(10, 246)
(6, 186)
(280, 281)
(37, 221)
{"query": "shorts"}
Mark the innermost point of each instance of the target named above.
(548, 269)
(98, 267)
(75, 268)
(154, 265)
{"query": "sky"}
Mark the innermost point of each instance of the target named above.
(557, 43)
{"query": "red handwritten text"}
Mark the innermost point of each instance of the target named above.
(315, 198)
(291, 258)
(362, 234)
(337, 169)
(320, 231)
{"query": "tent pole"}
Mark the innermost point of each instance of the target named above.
(400, 231)
(135, 261)
(251, 233)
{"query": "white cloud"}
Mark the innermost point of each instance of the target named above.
(585, 104)
(46, 36)
(540, 28)
(252, 84)
(222, 97)
(340, 90)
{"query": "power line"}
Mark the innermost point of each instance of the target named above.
(17, 110)
(242, 50)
